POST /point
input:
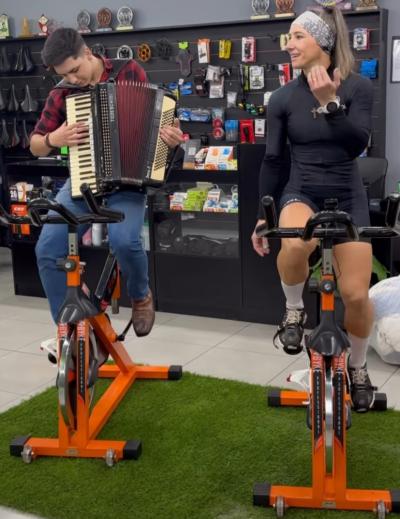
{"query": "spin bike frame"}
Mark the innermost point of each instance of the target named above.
(328, 401)
(80, 323)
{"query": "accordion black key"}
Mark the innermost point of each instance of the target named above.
(123, 147)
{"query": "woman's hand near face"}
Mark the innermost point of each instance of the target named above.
(321, 85)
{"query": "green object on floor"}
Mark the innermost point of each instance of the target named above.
(206, 441)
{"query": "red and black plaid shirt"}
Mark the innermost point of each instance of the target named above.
(53, 114)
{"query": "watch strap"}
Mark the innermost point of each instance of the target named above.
(324, 108)
(46, 140)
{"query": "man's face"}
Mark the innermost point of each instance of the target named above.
(79, 70)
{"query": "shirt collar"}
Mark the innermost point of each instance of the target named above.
(107, 67)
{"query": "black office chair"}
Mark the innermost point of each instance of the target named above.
(373, 171)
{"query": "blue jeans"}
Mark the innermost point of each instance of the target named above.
(125, 242)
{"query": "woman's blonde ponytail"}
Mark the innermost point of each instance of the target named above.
(342, 56)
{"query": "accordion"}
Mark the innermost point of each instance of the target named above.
(123, 147)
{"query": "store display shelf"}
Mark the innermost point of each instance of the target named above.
(201, 214)
(202, 256)
(204, 175)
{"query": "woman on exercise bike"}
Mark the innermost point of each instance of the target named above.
(325, 114)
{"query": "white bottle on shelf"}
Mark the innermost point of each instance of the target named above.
(97, 234)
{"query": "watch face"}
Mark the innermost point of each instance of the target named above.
(332, 107)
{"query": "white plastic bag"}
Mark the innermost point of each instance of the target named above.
(385, 336)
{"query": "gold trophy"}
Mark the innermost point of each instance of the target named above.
(284, 8)
(367, 5)
(25, 29)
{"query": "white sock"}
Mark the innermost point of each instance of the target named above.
(358, 354)
(294, 295)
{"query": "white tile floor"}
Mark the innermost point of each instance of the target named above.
(217, 347)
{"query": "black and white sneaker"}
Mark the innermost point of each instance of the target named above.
(290, 332)
(361, 389)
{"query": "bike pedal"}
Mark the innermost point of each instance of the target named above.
(293, 350)
(50, 346)
(379, 402)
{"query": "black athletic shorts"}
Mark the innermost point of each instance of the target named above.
(354, 202)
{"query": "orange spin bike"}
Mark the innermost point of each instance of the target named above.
(327, 399)
(86, 339)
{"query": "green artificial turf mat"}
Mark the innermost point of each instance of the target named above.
(206, 441)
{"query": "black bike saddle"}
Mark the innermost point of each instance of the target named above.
(328, 338)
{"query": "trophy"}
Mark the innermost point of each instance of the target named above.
(99, 49)
(344, 5)
(364, 5)
(124, 52)
(42, 22)
(125, 17)
(4, 28)
(25, 30)
(284, 8)
(83, 20)
(260, 8)
(104, 17)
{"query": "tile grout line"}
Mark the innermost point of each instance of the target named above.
(396, 371)
(214, 346)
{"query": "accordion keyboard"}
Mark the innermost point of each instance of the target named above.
(81, 157)
(162, 150)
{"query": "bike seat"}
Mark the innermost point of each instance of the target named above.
(328, 338)
(76, 307)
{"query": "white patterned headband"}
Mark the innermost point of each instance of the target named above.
(318, 29)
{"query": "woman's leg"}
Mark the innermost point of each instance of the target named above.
(353, 266)
(293, 270)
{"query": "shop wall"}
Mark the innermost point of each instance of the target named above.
(162, 13)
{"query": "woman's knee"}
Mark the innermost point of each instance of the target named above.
(295, 250)
(355, 297)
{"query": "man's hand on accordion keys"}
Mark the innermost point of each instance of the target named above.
(172, 135)
(69, 134)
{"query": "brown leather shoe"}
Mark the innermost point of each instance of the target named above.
(143, 315)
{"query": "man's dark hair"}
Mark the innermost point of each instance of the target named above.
(62, 44)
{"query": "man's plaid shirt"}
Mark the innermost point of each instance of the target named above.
(53, 114)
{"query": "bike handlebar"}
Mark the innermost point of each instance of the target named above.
(112, 216)
(39, 208)
(7, 219)
(312, 227)
(38, 205)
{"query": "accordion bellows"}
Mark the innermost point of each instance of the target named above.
(124, 147)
